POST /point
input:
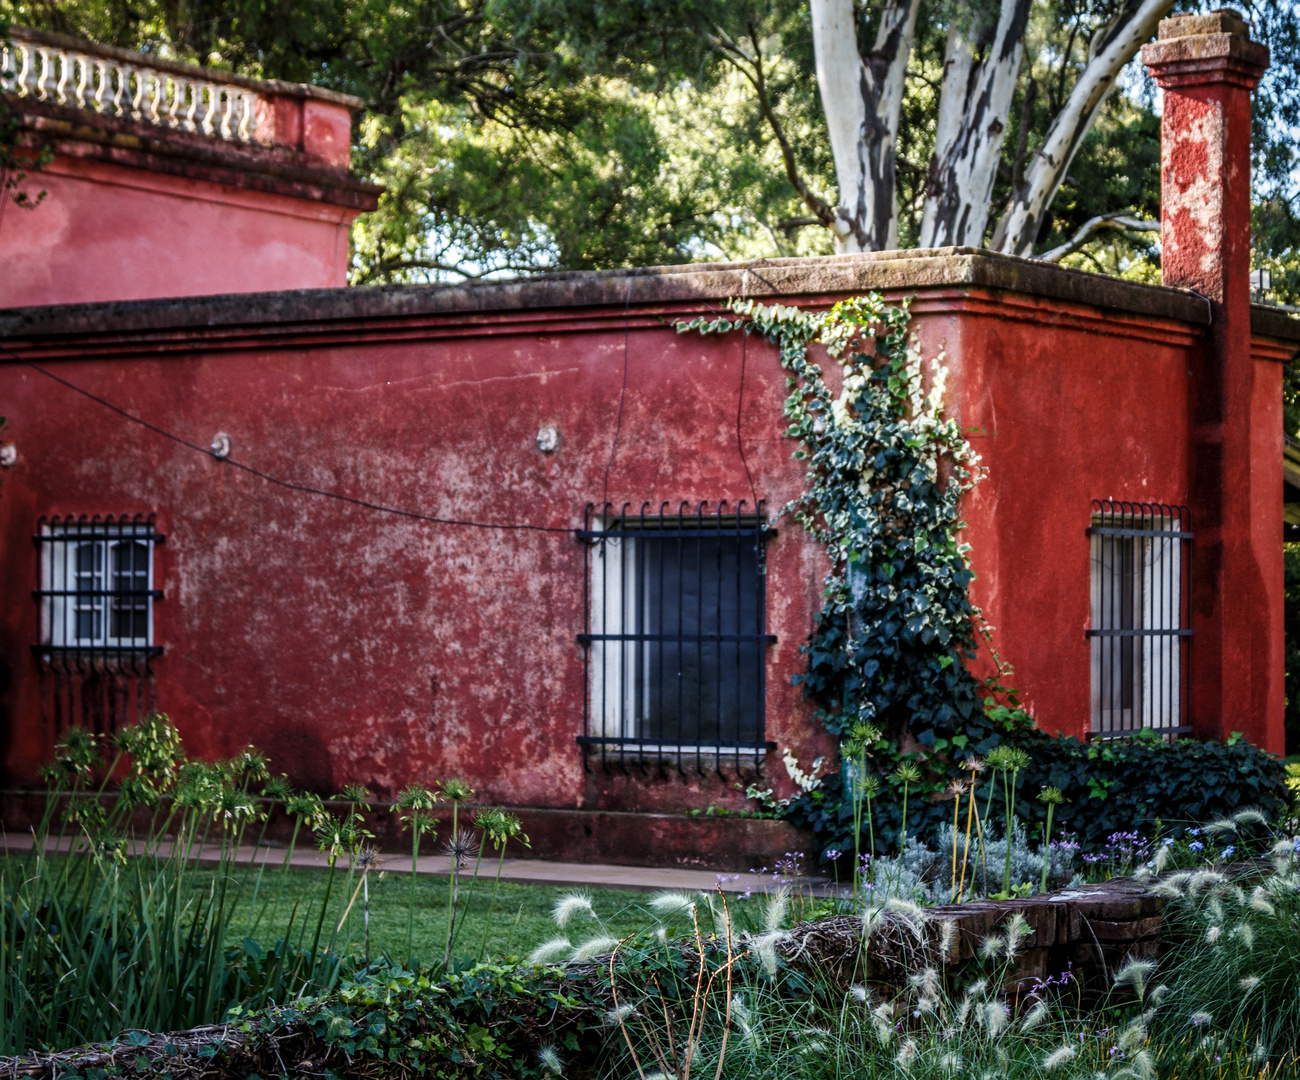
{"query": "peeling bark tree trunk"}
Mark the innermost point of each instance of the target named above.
(862, 97)
(974, 103)
(1113, 47)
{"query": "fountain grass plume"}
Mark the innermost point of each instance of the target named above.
(570, 905)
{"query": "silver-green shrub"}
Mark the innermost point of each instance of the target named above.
(924, 873)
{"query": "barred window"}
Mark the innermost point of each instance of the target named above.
(1140, 634)
(96, 586)
(676, 635)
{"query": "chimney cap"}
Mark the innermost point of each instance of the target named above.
(1223, 21)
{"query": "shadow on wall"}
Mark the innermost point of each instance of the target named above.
(1292, 607)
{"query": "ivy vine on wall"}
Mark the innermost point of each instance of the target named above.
(886, 471)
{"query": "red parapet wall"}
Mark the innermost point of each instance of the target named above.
(165, 179)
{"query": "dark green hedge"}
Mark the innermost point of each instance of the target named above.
(1114, 786)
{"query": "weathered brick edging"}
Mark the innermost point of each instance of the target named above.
(1088, 931)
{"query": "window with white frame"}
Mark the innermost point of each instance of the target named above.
(676, 635)
(97, 584)
(1140, 637)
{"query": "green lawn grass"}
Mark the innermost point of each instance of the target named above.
(520, 921)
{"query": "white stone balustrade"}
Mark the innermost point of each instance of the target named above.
(114, 87)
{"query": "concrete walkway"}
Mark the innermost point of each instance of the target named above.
(519, 871)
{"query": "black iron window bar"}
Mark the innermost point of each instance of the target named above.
(676, 637)
(1140, 635)
(96, 591)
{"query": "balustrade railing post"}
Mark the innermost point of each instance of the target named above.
(101, 84)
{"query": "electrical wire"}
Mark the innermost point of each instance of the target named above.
(412, 514)
(288, 484)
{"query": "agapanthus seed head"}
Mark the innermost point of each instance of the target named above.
(907, 773)
(460, 846)
(456, 790)
(356, 794)
(415, 797)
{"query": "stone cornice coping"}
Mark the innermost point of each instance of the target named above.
(1277, 324)
(966, 279)
(79, 133)
(188, 71)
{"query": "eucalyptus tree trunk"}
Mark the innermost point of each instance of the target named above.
(1110, 50)
(974, 103)
(862, 97)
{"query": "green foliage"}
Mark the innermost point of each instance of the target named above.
(891, 642)
(93, 942)
(486, 1022)
(1109, 787)
(885, 473)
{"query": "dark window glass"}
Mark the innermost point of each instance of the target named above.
(131, 582)
(697, 663)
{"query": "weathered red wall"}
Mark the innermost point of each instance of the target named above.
(354, 645)
(1064, 405)
(143, 202)
(113, 232)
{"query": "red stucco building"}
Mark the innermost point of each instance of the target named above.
(362, 528)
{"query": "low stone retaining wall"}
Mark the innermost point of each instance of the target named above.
(1087, 932)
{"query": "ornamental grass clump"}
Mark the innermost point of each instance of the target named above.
(1234, 965)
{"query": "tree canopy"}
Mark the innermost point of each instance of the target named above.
(519, 135)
